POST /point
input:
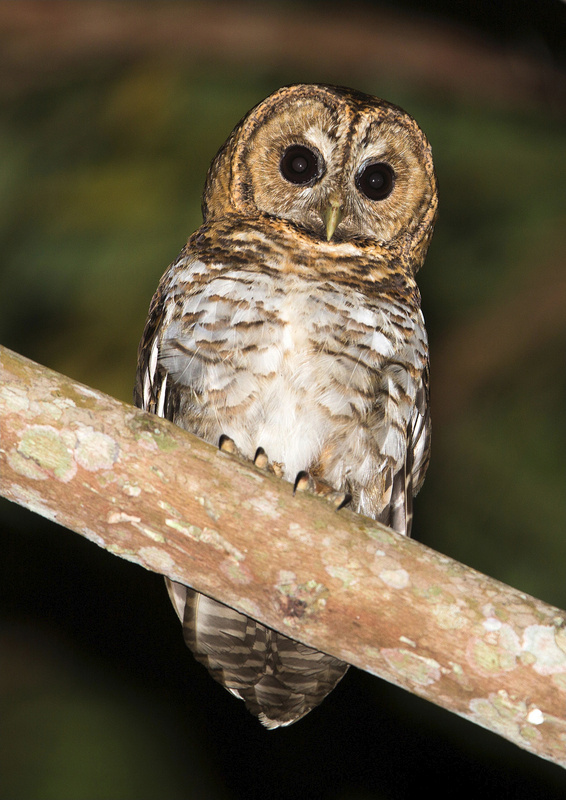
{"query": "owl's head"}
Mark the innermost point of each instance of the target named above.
(340, 164)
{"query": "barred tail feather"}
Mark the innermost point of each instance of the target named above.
(280, 680)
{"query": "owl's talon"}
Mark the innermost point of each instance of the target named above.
(302, 482)
(261, 460)
(227, 445)
(338, 499)
(305, 482)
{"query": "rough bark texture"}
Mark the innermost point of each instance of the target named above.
(147, 491)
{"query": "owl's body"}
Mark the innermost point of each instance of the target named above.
(291, 322)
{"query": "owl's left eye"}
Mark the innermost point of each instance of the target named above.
(376, 181)
(300, 164)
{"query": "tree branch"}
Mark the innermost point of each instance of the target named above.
(148, 491)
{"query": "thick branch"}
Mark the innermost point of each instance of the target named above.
(149, 492)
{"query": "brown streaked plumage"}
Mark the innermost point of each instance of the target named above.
(291, 322)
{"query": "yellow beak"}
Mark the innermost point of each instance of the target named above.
(332, 216)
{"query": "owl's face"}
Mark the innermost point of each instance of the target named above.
(340, 164)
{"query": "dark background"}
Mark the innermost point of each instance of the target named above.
(109, 116)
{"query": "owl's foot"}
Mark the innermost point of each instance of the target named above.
(305, 482)
(260, 460)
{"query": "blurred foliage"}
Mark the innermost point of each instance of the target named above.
(102, 174)
(103, 186)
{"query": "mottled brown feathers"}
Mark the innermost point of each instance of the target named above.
(291, 322)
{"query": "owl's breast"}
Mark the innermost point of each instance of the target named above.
(286, 364)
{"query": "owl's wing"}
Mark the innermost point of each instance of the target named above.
(418, 444)
(150, 390)
(409, 479)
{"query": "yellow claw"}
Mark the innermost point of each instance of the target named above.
(332, 216)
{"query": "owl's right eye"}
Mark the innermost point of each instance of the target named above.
(376, 180)
(300, 164)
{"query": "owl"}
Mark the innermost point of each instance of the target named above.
(289, 331)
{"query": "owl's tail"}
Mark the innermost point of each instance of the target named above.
(280, 680)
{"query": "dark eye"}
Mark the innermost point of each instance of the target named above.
(376, 181)
(299, 164)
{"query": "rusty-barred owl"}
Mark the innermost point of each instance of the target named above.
(290, 327)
